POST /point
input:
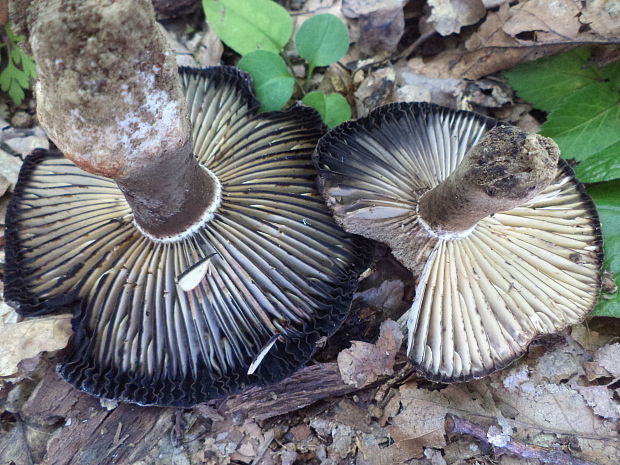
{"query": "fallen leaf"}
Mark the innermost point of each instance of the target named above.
(587, 338)
(415, 87)
(370, 452)
(355, 8)
(364, 363)
(608, 357)
(26, 339)
(4, 186)
(546, 20)
(603, 17)
(420, 421)
(9, 167)
(24, 140)
(207, 48)
(381, 30)
(543, 412)
(600, 398)
(557, 365)
(449, 16)
(375, 90)
(301, 432)
(513, 34)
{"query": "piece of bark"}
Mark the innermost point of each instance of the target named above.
(305, 387)
(93, 435)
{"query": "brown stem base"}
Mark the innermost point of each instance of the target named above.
(170, 195)
(505, 169)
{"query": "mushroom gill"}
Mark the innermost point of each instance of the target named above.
(240, 299)
(504, 241)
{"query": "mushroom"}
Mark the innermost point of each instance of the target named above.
(196, 267)
(505, 242)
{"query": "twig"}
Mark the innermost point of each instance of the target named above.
(455, 424)
(380, 396)
(263, 448)
(419, 41)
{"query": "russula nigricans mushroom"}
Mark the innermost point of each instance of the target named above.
(505, 242)
(192, 271)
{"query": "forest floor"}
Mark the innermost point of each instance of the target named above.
(357, 402)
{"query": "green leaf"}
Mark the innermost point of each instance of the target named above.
(273, 82)
(20, 77)
(16, 55)
(602, 166)
(16, 93)
(607, 199)
(545, 83)
(586, 122)
(30, 67)
(249, 25)
(6, 77)
(333, 108)
(322, 40)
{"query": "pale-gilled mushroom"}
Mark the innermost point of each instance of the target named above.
(504, 240)
(207, 263)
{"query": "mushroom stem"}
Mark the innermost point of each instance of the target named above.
(108, 95)
(507, 168)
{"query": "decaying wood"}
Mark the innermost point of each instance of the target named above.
(305, 387)
(93, 435)
(455, 424)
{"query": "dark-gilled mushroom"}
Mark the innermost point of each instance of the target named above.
(209, 261)
(504, 240)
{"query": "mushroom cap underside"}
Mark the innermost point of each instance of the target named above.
(484, 295)
(181, 322)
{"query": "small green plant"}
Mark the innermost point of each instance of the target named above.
(19, 68)
(583, 106)
(260, 29)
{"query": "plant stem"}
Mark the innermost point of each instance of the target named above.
(290, 67)
(309, 76)
(455, 424)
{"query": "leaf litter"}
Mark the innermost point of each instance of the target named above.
(358, 403)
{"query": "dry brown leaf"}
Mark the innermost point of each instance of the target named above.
(364, 363)
(355, 8)
(381, 30)
(23, 340)
(9, 167)
(560, 364)
(4, 185)
(555, 20)
(375, 90)
(381, 23)
(449, 16)
(600, 398)
(371, 453)
(545, 412)
(207, 48)
(587, 338)
(525, 31)
(608, 357)
(603, 17)
(420, 422)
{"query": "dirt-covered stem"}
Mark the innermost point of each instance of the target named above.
(109, 96)
(507, 168)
